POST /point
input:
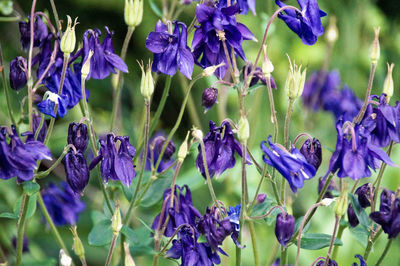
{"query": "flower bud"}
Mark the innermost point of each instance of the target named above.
(267, 66)
(78, 136)
(388, 84)
(208, 71)
(128, 257)
(312, 152)
(375, 51)
(351, 215)
(364, 194)
(295, 81)
(78, 246)
(18, 78)
(284, 228)
(243, 129)
(133, 12)
(116, 221)
(327, 201)
(68, 39)
(85, 70)
(147, 83)
(183, 149)
(65, 260)
(332, 31)
(209, 98)
(261, 197)
(169, 150)
(197, 134)
(341, 204)
(77, 171)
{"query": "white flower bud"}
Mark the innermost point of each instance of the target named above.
(147, 82)
(65, 260)
(85, 70)
(133, 12)
(197, 134)
(183, 149)
(128, 257)
(388, 84)
(68, 40)
(295, 81)
(332, 32)
(375, 51)
(208, 71)
(116, 221)
(327, 201)
(267, 66)
(243, 129)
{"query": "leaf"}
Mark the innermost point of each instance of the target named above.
(317, 241)
(359, 211)
(8, 215)
(298, 223)
(101, 234)
(31, 205)
(255, 87)
(360, 233)
(98, 216)
(106, 211)
(156, 190)
(139, 239)
(155, 8)
(30, 187)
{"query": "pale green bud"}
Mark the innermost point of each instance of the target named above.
(341, 204)
(243, 130)
(388, 84)
(375, 51)
(332, 32)
(86, 66)
(197, 134)
(116, 221)
(267, 66)
(208, 71)
(68, 40)
(147, 82)
(65, 260)
(133, 12)
(78, 246)
(128, 257)
(295, 81)
(183, 149)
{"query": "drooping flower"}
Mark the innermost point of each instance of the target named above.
(244, 5)
(77, 171)
(362, 261)
(36, 119)
(352, 217)
(116, 164)
(78, 136)
(331, 187)
(312, 151)
(258, 76)
(293, 166)
(209, 98)
(48, 105)
(18, 159)
(220, 148)
(343, 104)
(365, 194)
(234, 216)
(170, 49)
(40, 32)
(18, 69)
(155, 147)
(284, 228)
(382, 122)
(331, 262)
(104, 60)
(307, 24)
(218, 25)
(63, 204)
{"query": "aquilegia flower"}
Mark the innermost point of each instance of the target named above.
(77, 171)
(312, 152)
(364, 194)
(331, 262)
(244, 5)
(218, 25)
(18, 68)
(48, 105)
(155, 146)
(18, 159)
(362, 261)
(343, 104)
(258, 75)
(220, 148)
(116, 165)
(40, 32)
(331, 187)
(170, 49)
(351, 216)
(209, 97)
(307, 24)
(284, 228)
(78, 136)
(234, 215)
(63, 204)
(292, 165)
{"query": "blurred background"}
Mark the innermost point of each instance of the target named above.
(355, 21)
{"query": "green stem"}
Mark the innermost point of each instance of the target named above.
(55, 13)
(111, 251)
(194, 116)
(29, 74)
(286, 138)
(371, 241)
(253, 235)
(337, 219)
(21, 227)
(40, 126)
(339, 236)
(360, 115)
(258, 189)
(283, 256)
(54, 165)
(382, 257)
(3, 77)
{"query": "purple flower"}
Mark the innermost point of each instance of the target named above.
(331, 262)
(292, 165)
(362, 261)
(40, 32)
(343, 104)
(77, 171)
(47, 106)
(218, 25)
(170, 49)
(351, 215)
(78, 136)
(154, 150)
(182, 211)
(312, 152)
(258, 75)
(364, 194)
(220, 150)
(307, 24)
(36, 119)
(382, 122)
(261, 197)
(63, 204)
(116, 164)
(209, 98)
(18, 68)
(18, 159)
(233, 216)
(104, 60)
(284, 228)
(244, 5)
(331, 187)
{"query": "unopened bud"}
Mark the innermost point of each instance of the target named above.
(327, 201)
(78, 246)
(341, 204)
(375, 48)
(332, 31)
(85, 70)
(208, 71)
(197, 134)
(243, 129)
(388, 84)
(65, 260)
(295, 81)
(133, 12)
(114, 80)
(116, 221)
(128, 257)
(68, 39)
(147, 82)
(267, 66)
(183, 149)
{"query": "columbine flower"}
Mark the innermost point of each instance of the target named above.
(258, 75)
(18, 159)
(116, 165)
(388, 215)
(233, 216)
(331, 187)
(364, 194)
(63, 204)
(77, 171)
(382, 122)
(244, 5)
(284, 228)
(331, 262)
(220, 147)
(312, 152)
(261, 197)
(18, 68)
(307, 24)
(209, 98)
(181, 212)
(78, 136)
(104, 60)
(292, 165)
(343, 104)
(47, 106)
(36, 119)
(154, 150)
(218, 25)
(352, 217)
(362, 261)
(170, 49)
(40, 32)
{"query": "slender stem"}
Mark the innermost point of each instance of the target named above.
(54, 165)
(283, 256)
(49, 220)
(243, 204)
(228, 58)
(339, 236)
(3, 77)
(287, 123)
(17, 17)
(337, 219)
(30, 57)
(387, 247)
(111, 251)
(146, 149)
(360, 115)
(55, 13)
(253, 235)
(171, 10)
(258, 189)
(371, 241)
(21, 227)
(194, 116)
(273, 111)
(40, 126)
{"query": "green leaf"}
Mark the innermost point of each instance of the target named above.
(360, 212)
(8, 215)
(255, 87)
(360, 233)
(317, 241)
(101, 234)
(155, 8)
(106, 211)
(156, 190)
(140, 240)
(98, 216)
(31, 205)
(30, 187)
